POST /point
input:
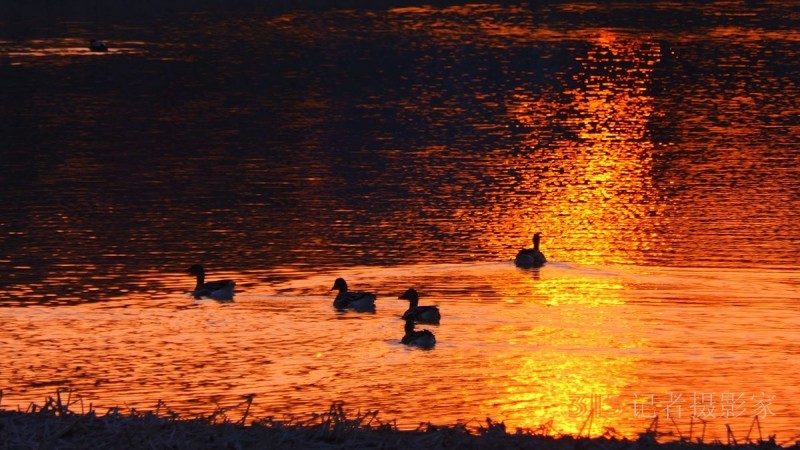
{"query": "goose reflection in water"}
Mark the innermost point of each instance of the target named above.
(423, 339)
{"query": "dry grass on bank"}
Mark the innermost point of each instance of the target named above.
(55, 425)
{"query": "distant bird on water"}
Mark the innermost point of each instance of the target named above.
(97, 46)
(528, 258)
(358, 301)
(218, 290)
(422, 339)
(419, 314)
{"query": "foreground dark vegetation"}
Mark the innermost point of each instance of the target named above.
(55, 425)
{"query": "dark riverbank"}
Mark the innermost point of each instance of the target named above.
(55, 425)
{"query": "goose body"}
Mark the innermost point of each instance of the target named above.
(218, 290)
(358, 301)
(419, 314)
(531, 257)
(97, 46)
(422, 339)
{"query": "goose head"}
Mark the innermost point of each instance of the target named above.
(411, 295)
(197, 270)
(339, 284)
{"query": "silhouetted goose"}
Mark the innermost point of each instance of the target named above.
(97, 46)
(531, 257)
(359, 301)
(422, 339)
(419, 314)
(218, 290)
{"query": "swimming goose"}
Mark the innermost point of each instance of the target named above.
(419, 314)
(422, 339)
(218, 290)
(359, 301)
(531, 257)
(97, 46)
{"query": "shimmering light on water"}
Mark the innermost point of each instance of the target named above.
(654, 146)
(513, 345)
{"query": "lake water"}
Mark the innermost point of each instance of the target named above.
(656, 147)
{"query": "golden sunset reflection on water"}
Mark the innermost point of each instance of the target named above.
(578, 314)
(146, 347)
(608, 162)
(546, 348)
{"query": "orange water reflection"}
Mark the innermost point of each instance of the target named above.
(580, 313)
(608, 162)
(448, 138)
(573, 349)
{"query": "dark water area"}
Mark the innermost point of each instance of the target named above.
(660, 134)
(656, 147)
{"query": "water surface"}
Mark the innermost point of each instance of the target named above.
(654, 146)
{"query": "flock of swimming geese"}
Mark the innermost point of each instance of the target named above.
(365, 301)
(357, 301)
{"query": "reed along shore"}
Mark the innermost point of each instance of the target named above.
(55, 426)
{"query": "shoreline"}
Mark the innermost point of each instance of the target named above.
(55, 425)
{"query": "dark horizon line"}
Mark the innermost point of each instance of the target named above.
(131, 9)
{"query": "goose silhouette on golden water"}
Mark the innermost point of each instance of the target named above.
(419, 314)
(218, 290)
(355, 300)
(528, 258)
